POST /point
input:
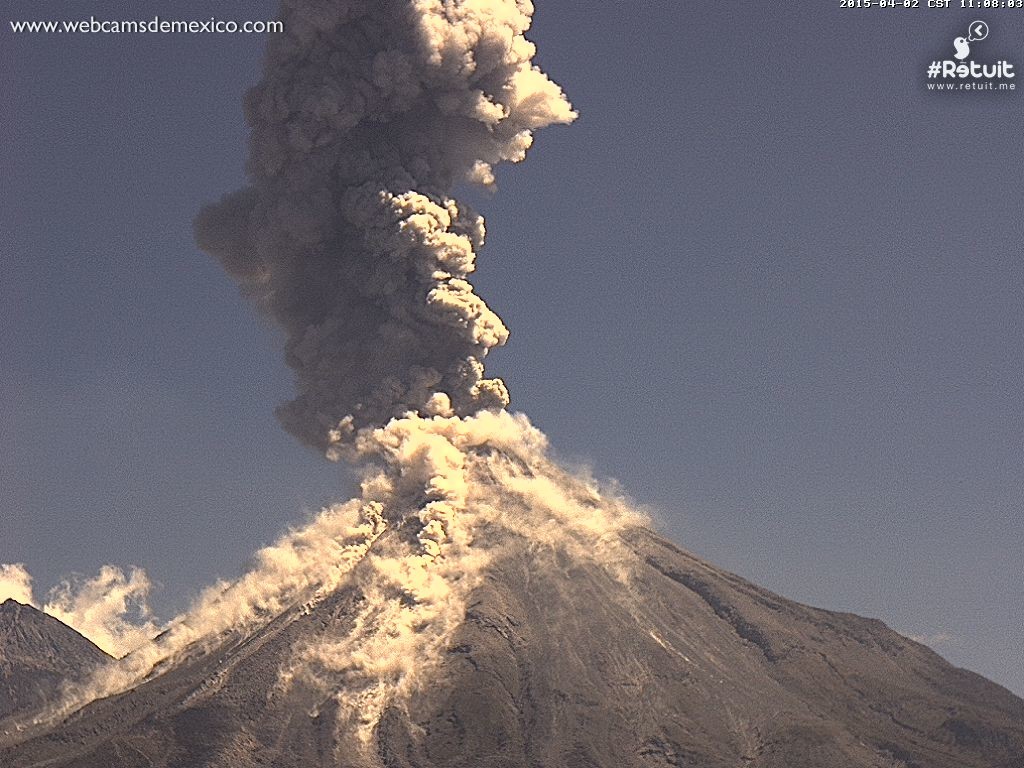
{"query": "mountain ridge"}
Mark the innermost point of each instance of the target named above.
(38, 653)
(559, 662)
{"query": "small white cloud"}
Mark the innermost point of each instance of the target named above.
(15, 583)
(933, 640)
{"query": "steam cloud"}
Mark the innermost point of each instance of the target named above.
(367, 116)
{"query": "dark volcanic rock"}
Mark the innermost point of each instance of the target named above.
(558, 664)
(37, 654)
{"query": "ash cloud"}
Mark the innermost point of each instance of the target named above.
(111, 608)
(15, 583)
(367, 116)
(471, 489)
(348, 237)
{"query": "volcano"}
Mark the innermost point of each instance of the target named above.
(559, 662)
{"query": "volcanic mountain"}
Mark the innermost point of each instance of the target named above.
(559, 662)
(37, 654)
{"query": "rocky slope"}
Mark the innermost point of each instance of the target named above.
(37, 654)
(561, 664)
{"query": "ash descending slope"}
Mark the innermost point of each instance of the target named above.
(38, 654)
(559, 661)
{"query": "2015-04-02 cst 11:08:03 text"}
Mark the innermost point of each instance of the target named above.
(965, 4)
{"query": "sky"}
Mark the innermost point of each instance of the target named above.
(768, 282)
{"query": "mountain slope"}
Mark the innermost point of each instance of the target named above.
(37, 654)
(559, 663)
(696, 667)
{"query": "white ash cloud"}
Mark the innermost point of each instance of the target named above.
(304, 565)
(933, 640)
(475, 487)
(453, 492)
(16, 583)
(367, 116)
(111, 609)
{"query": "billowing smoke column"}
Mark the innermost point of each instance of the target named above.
(369, 112)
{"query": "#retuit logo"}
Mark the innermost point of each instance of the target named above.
(964, 73)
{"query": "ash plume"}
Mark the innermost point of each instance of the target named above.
(441, 498)
(368, 114)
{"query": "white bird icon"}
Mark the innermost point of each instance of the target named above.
(963, 50)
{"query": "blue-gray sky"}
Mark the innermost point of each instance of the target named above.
(767, 281)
